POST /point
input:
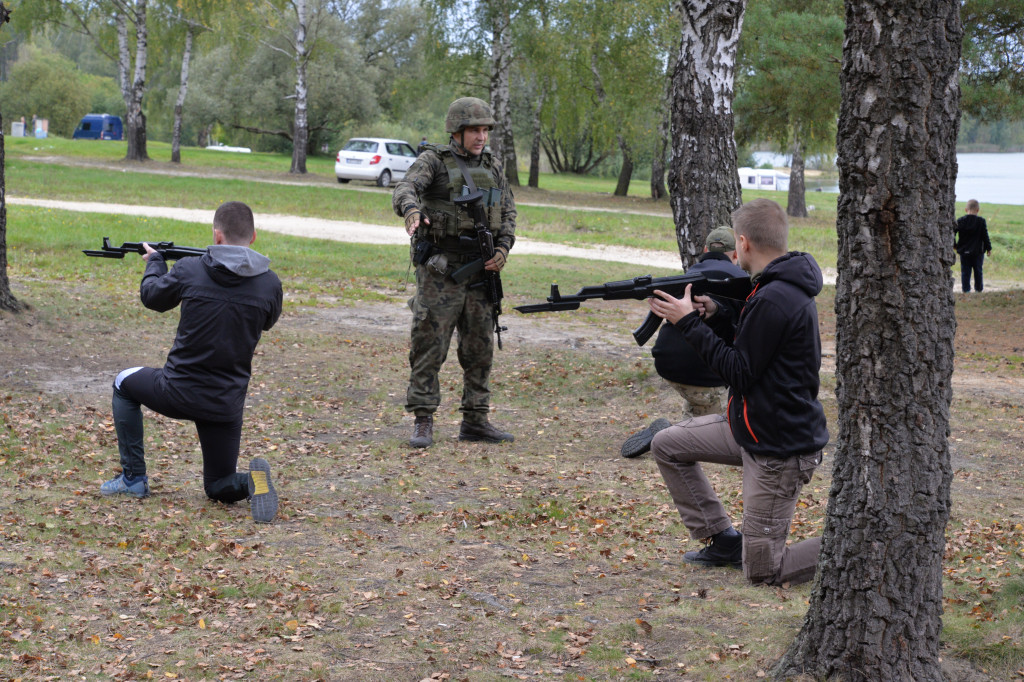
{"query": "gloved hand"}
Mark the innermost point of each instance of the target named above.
(412, 220)
(498, 261)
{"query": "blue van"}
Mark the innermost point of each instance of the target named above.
(99, 127)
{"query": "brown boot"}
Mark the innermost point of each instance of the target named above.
(483, 432)
(423, 432)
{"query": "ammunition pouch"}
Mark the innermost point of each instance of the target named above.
(422, 251)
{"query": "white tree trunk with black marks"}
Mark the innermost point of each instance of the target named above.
(300, 137)
(502, 139)
(703, 180)
(134, 89)
(876, 608)
(179, 104)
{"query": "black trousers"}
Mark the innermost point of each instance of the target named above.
(969, 263)
(219, 440)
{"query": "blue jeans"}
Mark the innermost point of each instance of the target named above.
(219, 440)
(971, 262)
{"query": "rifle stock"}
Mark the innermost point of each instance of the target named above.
(640, 288)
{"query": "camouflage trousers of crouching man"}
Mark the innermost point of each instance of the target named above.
(701, 400)
(440, 308)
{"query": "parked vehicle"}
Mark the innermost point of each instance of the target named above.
(99, 127)
(373, 158)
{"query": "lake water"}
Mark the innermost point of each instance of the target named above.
(989, 178)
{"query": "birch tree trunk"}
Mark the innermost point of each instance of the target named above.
(135, 125)
(875, 611)
(179, 104)
(503, 146)
(703, 180)
(300, 138)
(796, 204)
(124, 57)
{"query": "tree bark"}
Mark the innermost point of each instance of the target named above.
(179, 104)
(796, 205)
(658, 190)
(875, 611)
(503, 146)
(135, 125)
(7, 300)
(300, 139)
(534, 180)
(626, 170)
(703, 181)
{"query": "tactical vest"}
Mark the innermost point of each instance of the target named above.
(446, 218)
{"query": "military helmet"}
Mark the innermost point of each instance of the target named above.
(468, 111)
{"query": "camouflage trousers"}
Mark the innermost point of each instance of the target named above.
(701, 400)
(440, 308)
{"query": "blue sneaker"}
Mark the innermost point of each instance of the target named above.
(262, 496)
(119, 486)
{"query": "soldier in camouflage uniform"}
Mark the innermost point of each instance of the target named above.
(435, 223)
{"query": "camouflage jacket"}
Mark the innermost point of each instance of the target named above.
(428, 177)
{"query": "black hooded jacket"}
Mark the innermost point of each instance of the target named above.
(229, 297)
(770, 359)
(674, 358)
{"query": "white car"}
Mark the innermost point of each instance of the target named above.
(374, 158)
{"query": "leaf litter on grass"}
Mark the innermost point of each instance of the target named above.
(548, 558)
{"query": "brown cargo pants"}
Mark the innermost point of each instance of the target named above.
(771, 488)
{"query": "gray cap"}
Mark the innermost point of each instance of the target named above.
(721, 239)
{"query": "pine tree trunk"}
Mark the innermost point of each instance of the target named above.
(796, 206)
(875, 611)
(135, 125)
(7, 300)
(179, 104)
(703, 180)
(300, 135)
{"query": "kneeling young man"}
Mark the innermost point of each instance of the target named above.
(774, 426)
(229, 297)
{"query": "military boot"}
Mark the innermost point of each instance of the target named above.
(485, 432)
(423, 432)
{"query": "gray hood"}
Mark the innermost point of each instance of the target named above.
(240, 260)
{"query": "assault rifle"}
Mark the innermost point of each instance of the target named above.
(641, 288)
(166, 249)
(491, 282)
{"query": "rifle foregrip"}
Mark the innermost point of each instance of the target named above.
(646, 330)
